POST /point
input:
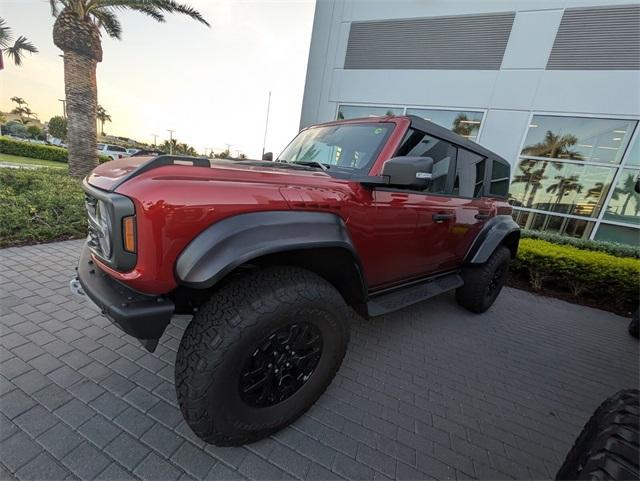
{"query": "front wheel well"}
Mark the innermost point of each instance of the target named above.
(336, 265)
(511, 241)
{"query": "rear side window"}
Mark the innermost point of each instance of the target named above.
(115, 148)
(500, 174)
(443, 153)
(469, 176)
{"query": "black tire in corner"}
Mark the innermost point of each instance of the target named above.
(483, 282)
(228, 384)
(633, 325)
(607, 447)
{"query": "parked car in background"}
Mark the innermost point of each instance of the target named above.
(112, 151)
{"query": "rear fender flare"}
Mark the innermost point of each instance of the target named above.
(500, 229)
(237, 240)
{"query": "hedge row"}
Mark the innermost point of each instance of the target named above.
(38, 151)
(585, 274)
(613, 248)
(40, 205)
(35, 151)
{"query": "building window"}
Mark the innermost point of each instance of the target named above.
(624, 205)
(358, 111)
(554, 223)
(561, 187)
(464, 123)
(633, 157)
(576, 138)
(620, 234)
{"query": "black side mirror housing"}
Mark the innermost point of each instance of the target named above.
(412, 172)
(268, 156)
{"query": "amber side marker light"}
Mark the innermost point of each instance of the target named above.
(129, 233)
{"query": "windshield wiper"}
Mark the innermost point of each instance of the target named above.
(312, 163)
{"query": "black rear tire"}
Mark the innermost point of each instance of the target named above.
(607, 447)
(227, 392)
(483, 283)
(633, 325)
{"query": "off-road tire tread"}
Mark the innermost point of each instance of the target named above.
(476, 278)
(220, 323)
(608, 446)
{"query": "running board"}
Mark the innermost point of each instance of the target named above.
(404, 296)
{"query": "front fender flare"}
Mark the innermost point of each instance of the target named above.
(233, 241)
(492, 235)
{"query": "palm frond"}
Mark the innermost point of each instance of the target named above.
(5, 33)
(109, 21)
(154, 8)
(16, 50)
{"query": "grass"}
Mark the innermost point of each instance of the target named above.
(18, 160)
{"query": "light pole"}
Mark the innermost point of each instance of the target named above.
(64, 107)
(266, 125)
(155, 139)
(170, 141)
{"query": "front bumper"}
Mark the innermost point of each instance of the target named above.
(139, 315)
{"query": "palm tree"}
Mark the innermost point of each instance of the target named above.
(19, 47)
(76, 32)
(554, 146)
(103, 116)
(23, 110)
(564, 186)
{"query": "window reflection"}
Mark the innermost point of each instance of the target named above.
(587, 139)
(464, 123)
(560, 187)
(624, 205)
(554, 223)
(633, 157)
(355, 111)
(616, 233)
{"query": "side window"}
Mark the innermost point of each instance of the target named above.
(500, 174)
(115, 148)
(469, 177)
(419, 144)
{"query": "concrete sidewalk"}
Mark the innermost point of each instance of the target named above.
(429, 392)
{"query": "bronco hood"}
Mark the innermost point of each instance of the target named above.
(110, 175)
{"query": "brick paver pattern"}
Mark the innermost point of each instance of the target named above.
(429, 392)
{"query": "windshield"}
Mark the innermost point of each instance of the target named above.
(346, 147)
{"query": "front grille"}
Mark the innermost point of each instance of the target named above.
(91, 204)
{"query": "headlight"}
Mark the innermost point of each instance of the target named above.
(104, 223)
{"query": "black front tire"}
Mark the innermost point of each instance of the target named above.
(231, 329)
(608, 446)
(483, 283)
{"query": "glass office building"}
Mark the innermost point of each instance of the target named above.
(556, 91)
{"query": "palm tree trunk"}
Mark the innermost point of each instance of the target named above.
(82, 102)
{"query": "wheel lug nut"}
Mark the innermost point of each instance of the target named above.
(286, 347)
(270, 365)
(276, 370)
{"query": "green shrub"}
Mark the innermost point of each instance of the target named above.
(583, 273)
(40, 205)
(613, 248)
(35, 151)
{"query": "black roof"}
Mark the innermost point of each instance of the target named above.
(450, 136)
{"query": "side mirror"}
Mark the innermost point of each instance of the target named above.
(408, 171)
(268, 156)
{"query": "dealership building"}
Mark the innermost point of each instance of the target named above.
(551, 85)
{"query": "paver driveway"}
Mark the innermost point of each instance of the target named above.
(429, 392)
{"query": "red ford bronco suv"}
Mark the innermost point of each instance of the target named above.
(271, 258)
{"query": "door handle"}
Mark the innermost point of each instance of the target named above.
(441, 217)
(481, 216)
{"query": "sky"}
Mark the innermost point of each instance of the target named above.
(210, 85)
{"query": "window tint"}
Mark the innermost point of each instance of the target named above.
(115, 148)
(499, 179)
(419, 144)
(469, 178)
(100, 146)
